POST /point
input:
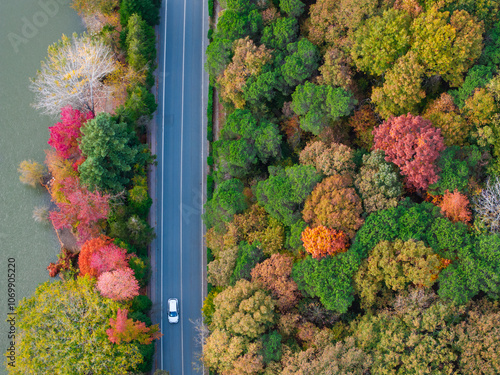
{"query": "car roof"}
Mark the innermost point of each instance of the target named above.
(172, 302)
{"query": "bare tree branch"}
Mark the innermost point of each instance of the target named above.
(487, 205)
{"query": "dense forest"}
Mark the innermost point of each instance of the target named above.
(353, 201)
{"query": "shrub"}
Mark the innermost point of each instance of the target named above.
(141, 304)
(141, 268)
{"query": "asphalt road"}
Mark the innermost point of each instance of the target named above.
(181, 154)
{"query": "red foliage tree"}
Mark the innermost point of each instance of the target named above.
(118, 285)
(108, 258)
(413, 144)
(64, 135)
(88, 249)
(124, 329)
(64, 262)
(274, 274)
(455, 206)
(322, 241)
(82, 209)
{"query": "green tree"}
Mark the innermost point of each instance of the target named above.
(380, 41)
(457, 165)
(378, 182)
(293, 240)
(248, 256)
(330, 279)
(477, 76)
(445, 48)
(244, 142)
(406, 221)
(319, 106)
(144, 8)
(219, 54)
(300, 63)
(293, 8)
(271, 347)
(140, 42)
(138, 197)
(140, 103)
(228, 200)
(111, 150)
(68, 321)
(233, 25)
(476, 270)
(281, 32)
(286, 189)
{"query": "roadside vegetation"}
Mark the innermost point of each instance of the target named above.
(95, 320)
(353, 195)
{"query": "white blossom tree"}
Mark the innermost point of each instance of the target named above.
(73, 74)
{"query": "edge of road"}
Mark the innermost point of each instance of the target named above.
(155, 145)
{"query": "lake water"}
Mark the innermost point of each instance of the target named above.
(27, 28)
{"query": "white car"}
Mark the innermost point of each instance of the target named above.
(173, 310)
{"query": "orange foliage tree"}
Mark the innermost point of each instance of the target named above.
(455, 206)
(90, 247)
(334, 204)
(274, 275)
(322, 241)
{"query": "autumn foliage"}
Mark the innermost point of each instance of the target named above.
(125, 329)
(455, 206)
(82, 209)
(108, 258)
(64, 135)
(334, 204)
(90, 247)
(322, 241)
(274, 274)
(118, 285)
(413, 144)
